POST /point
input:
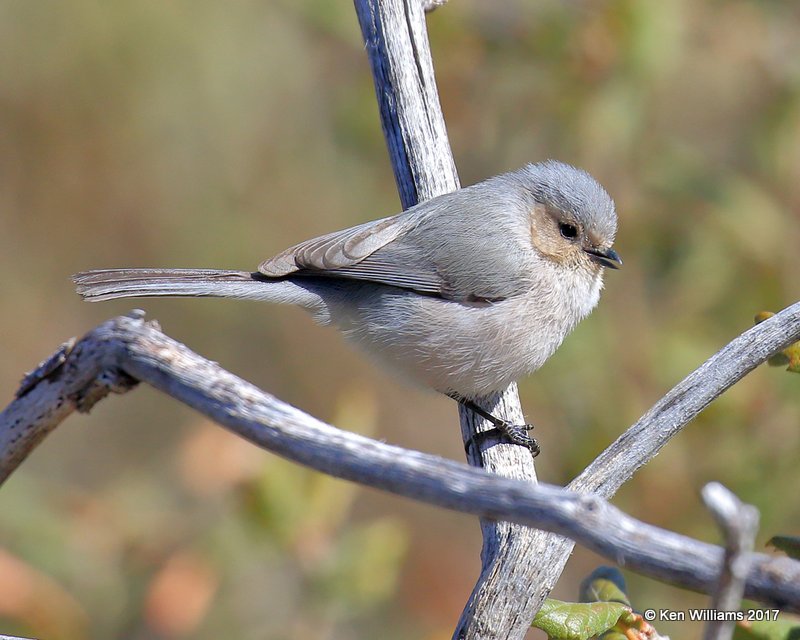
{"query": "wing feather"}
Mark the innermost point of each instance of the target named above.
(373, 251)
(339, 249)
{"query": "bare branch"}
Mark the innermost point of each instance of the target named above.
(639, 444)
(413, 125)
(60, 385)
(127, 348)
(505, 597)
(739, 524)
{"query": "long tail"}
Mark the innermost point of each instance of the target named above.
(107, 284)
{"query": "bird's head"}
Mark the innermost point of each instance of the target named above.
(572, 219)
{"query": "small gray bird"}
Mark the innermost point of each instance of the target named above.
(465, 293)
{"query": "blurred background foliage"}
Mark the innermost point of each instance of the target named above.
(210, 134)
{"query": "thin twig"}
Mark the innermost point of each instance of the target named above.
(739, 524)
(127, 349)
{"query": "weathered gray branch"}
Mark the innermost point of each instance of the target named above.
(124, 350)
(739, 524)
(504, 599)
(413, 125)
(639, 444)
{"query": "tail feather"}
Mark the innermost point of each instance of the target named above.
(107, 284)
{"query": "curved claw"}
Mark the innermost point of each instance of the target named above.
(518, 434)
(515, 433)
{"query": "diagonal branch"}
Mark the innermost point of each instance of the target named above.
(122, 351)
(641, 442)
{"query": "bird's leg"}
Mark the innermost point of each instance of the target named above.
(516, 434)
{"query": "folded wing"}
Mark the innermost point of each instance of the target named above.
(374, 251)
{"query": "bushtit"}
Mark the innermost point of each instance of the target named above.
(465, 293)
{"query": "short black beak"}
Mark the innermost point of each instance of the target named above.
(605, 257)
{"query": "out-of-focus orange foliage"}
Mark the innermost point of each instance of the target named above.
(211, 462)
(209, 134)
(179, 596)
(38, 603)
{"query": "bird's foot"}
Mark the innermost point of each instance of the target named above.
(513, 433)
(518, 434)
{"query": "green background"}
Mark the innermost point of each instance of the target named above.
(211, 134)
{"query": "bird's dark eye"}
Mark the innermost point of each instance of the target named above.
(569, 231)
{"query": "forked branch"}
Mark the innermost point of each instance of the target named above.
(115, 355)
